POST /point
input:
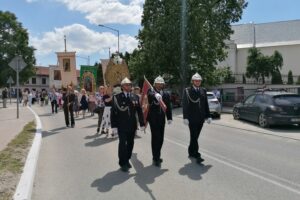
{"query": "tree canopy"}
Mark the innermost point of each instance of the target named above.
(262, 66)
(14, 41)
(207, 27)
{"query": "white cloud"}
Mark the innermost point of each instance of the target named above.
(108, 11)
(80, 39)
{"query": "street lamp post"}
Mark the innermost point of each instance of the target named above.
(113, 30)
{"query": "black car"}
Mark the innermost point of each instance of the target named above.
(269, 108)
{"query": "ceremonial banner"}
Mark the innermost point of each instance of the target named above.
(144, 100)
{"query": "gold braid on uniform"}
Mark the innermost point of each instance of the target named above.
(190, 98)
(120, 108)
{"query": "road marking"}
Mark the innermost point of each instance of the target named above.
(246, 170)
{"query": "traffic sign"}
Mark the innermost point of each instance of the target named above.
(10, 80)
(17, 63)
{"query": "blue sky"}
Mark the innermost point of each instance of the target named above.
(48, 20)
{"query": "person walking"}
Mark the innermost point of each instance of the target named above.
(30, 98)
(83, 102)
(106, 124)
(4, 97)
(195, 112)
(25, 97)
(157, 117)
(100, 107)
(125, 106)
(53, 100)
(68, 98)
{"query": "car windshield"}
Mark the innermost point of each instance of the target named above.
(210, 96)
(287, 99)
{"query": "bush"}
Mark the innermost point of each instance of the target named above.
(290, 78)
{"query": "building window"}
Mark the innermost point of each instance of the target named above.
(57, 75)
(66, 65)
(44, 81)
(33, 80)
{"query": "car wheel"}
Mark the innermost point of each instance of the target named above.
(236, 114)
(262, 120)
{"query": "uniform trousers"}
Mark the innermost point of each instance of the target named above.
(157, 138)
(195, 129)
(126, 142)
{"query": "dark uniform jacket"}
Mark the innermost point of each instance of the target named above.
(123, 112)
(68, 98)
(155, 110)
(195, 105)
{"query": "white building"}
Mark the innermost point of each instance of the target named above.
(282, 36)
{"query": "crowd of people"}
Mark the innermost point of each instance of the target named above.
(120, 112)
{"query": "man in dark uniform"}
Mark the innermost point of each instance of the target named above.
(157, 117)
(125, 106)
(195, 112)
(69, 98)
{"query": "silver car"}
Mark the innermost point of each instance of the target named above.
(214, 105)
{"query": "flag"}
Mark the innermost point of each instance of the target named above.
(144, 100)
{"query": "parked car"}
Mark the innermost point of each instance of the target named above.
(214, 104)
(269, 108)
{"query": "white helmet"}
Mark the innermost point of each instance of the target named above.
(125, 81)
(160, 80)
(196, 77)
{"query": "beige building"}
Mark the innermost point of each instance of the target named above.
(65, 72)
(281, 36)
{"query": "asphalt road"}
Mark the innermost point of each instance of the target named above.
(239, 164)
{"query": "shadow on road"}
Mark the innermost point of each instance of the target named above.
(193, 170)
(111, 179)
(53, 131)
(99, 141)
(145, 175)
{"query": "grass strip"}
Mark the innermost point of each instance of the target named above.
(12, 160)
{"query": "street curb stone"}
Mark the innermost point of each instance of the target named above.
(24, 188)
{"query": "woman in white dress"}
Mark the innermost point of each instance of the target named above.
(107, 98)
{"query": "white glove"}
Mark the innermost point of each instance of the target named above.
(186, 121)
(142, 128)
(209, 120)
(169, 121)
(158, 96)
(114, 130)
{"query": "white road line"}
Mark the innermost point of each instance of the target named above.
(24, 189)
(243, 170)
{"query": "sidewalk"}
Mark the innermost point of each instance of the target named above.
(10, 126)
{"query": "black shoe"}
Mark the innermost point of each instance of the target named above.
(102, 131)
(98, 129)
(199, 160)
(72, 126)
(129, 165)
(156, 163)
(68, 125)
(124, 168)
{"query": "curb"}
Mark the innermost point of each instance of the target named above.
(24, 188)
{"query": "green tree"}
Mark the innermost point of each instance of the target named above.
(261, 66)
(100, 80)
(276, 78)
(207, 27)
(14, 41)
(290, 78)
